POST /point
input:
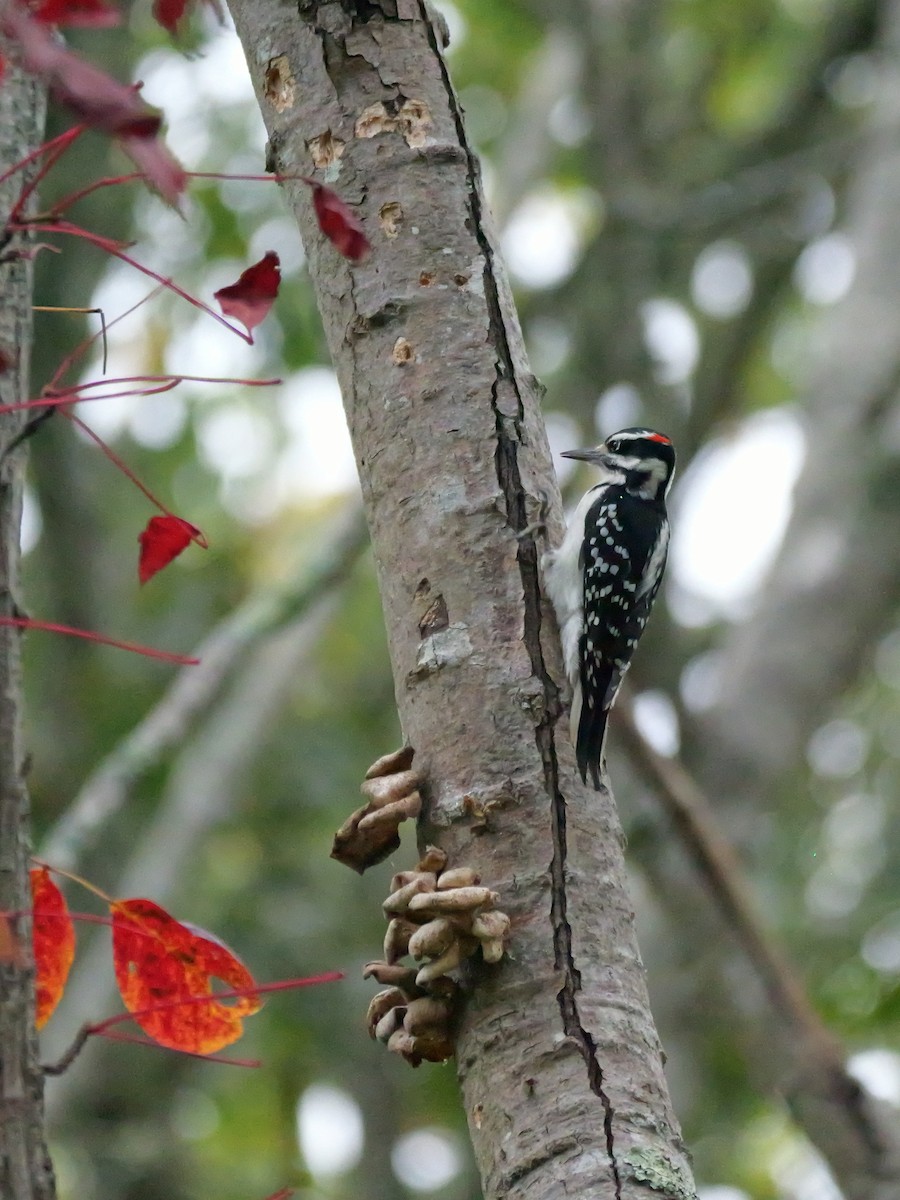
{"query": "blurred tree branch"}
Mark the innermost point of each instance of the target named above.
(832, 590)
(862, 1145)
(196, 689)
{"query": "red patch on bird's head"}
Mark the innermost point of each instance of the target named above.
(659, 437)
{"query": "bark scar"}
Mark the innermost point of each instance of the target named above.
(509, 435)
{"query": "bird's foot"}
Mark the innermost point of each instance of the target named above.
(539, 525)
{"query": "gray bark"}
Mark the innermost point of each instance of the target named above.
(25, 1169)
(558, 1057)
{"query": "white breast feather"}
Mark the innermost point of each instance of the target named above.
(564, 579)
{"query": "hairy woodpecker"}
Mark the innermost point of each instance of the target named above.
(604, 577)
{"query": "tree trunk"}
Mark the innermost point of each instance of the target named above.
(558, 1057)
(25, 1169)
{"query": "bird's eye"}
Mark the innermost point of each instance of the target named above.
(614, 444)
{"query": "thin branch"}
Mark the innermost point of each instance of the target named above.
(192, 693)
(81, 349)
(718, 865)
(65, 308)
(861, 1143)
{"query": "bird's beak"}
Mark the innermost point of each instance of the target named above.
(595, 455)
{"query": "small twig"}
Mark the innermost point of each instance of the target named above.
(87, 1030)
(51, 152)
(28, 430)
(57, 308)
(116, 459)
(71, 1053)
(117, 250)
(81, 349)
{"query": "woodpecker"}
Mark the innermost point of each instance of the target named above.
(604, 577)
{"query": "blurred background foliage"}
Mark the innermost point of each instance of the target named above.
(685, 191)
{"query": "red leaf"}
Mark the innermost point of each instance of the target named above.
(54, 943)
(93, 14)
(250, 299)
(169, 13)
(160, 961)
(161, 542)
(159, 167)
(95, 97)
(339, 223)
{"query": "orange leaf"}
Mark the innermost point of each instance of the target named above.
(161, 541)
(54, 943)
(160, 963)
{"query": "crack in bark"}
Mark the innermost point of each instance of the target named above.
(509, 478)
(563, 954)
(564, 958)
(509, 434)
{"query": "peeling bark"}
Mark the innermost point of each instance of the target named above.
(559, 1061)
(25, 1169)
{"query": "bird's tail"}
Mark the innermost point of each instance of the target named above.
(589, 742)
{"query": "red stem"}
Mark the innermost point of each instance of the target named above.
(87, 918)
(134, 647)
(197, 536)
(120, 463)
(63, 139)
(113, 1036)
(282, 985)
(67, 201)
(114, 248)
(71, 395)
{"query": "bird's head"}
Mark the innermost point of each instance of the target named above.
(641, 460)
